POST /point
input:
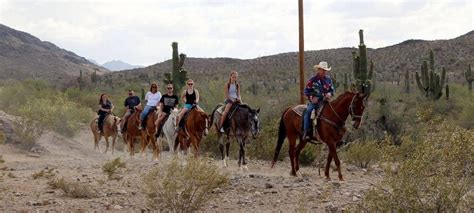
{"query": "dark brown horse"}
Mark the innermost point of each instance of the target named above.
(244, 124)
(196, 127)
(132, 132)
(330, 128)
(148, 134)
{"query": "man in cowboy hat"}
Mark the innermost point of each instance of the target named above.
(318, 88)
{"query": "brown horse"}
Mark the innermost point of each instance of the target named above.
(196, 127)
(110, 130)
(148, 134)
(132, 132)
(330, 128)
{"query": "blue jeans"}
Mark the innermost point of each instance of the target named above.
(307, 116)
(145, 112)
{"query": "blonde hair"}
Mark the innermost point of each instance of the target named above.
(230, 77)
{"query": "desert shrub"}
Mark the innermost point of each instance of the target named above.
(308, 155)
(110, 168)
(29, 131)
(73, 189)
(3, 138)
(362, 153)
(183, 187)
(436, 177)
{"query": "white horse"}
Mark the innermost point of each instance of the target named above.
(169, 130)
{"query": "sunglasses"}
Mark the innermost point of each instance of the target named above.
(154, 87)
(190, 84)
(170, 88)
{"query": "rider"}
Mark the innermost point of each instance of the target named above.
(131, 102)
(319, 87)
(232, 94)
(105, 107)
(152, 98)
(168, 102)
(190, 97)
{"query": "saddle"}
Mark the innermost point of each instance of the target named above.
(231, 113)
(185, 117)
(315, 117)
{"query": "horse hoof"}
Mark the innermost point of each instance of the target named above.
(298, 174)
(245, 168)
(225, 163)
(293, 174)
(328, 179)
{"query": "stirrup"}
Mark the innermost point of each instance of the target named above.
(221, 130)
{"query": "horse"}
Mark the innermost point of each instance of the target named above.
(330, 128)
(169, 130)
(110, 129)
(196, 126)
(244, 123)
(132, 132)
(148, 133)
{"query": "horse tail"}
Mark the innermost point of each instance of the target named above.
(214, 111)
(281, 137)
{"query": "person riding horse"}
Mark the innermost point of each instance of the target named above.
(318, 88)
(232, 93)
(152, 98)
(191, 99)
(131, 102)
(168, 102)
(105, 108)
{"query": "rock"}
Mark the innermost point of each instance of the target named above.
(331, 207)
(355, 199)
(268, 186)
(50, 192)
(274, 192)
(122, 192)
(33, 203)
(117, 207)
(251, 176)
(258, 193)
(336, 184)
(286, 186)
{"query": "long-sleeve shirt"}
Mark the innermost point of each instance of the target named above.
(318, 87)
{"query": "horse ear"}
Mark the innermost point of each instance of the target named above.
(258, 110)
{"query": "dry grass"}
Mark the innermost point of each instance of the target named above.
(73, 189)
(43, 174)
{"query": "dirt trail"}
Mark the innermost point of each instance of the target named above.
(259, 189)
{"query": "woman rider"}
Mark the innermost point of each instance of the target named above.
(232, 94)
(152, 98)
(105, 107)
(191, 97)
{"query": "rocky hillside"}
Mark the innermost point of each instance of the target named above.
(390, 62)
(25, 56)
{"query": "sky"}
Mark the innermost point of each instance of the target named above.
(140, 32)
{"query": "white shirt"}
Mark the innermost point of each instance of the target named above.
(152, 99)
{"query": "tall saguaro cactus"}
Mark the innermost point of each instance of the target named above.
(178, 76)
(430, 82)
(363, 70)
(80, 80)
(407, 82)
(469, 77)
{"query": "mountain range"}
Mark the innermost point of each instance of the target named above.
(25, 56)
(118, 65)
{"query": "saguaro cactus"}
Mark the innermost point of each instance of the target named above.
(363, 71)
(143, 95)
(346, 82)
(447, 92)
(80, 80)
(430, 82)
(178, 76)
(469, 77)
(407, 82)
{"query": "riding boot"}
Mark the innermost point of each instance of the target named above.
(159, 131)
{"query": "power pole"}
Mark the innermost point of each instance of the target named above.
(301, 55)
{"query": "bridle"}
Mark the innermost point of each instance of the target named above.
(351, 112)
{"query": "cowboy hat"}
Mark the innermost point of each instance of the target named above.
(323, 65)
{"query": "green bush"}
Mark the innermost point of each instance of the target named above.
(183, 186)
(29, 131)
(73, 189)
(308, 155)
(362, 154)
(436, 177)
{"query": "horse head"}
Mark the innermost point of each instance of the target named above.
(357, 107)
(254, 121)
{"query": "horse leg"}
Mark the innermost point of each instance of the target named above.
(336, 160)
(113, 143)
(194, 142)
(155, 147)
(328, 163)
(244, 163)
(240, 151)
(299, 148)
(106, 144)
(144, 148)
(291, 152)
(227, 148)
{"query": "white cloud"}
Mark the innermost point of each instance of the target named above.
(141, 32)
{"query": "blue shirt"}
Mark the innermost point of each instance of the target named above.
(317, 86)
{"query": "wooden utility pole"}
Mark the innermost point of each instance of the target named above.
(301, 55)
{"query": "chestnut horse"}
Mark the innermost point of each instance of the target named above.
(148, 134)
(196, 127)
(330, 128)
(132, 132)
(110, 130)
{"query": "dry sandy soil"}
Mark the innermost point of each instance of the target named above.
(259, 189)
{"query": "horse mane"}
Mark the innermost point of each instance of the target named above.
(341, 96)
(246, 106)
